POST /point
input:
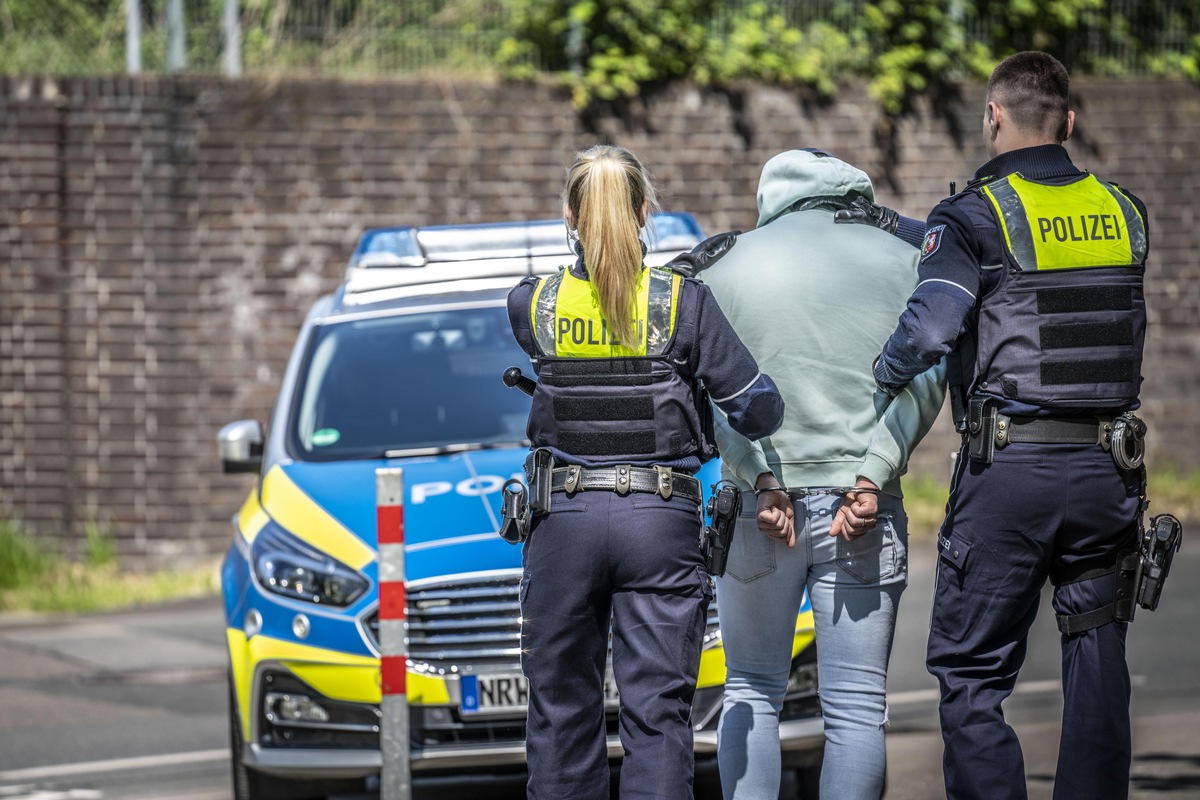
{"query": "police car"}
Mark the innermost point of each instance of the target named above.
(401, 367)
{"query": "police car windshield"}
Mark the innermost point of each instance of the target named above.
(431, 380)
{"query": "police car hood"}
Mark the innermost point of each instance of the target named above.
(802, 174)
(451, 507)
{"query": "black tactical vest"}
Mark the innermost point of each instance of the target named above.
(605, 402)
(1065, 325)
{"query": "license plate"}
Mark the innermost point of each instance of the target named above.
(509, 694)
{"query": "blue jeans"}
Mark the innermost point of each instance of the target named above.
(854, 588)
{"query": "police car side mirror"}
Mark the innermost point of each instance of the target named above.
(240, 445)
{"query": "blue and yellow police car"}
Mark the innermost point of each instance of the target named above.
(401, 367)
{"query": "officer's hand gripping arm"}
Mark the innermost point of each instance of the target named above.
(703, 255)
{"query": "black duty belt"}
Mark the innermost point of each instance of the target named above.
(1042, 430)
(624, 479)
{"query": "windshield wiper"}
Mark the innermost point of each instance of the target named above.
(444, 449)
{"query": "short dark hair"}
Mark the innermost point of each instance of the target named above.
(1032, 86)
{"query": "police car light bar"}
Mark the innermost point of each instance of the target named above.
(393, 257)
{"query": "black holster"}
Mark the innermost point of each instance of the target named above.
(518, 505)
(981, 428)
(723, 508)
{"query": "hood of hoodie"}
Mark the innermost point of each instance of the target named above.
(796, 175)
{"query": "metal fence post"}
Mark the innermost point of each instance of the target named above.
(393, 646)
(231, 27)
(133, 37)
(176, 51)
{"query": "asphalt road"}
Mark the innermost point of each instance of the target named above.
(131, 706)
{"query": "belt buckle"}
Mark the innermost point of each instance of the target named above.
(663, 486)
(571, 483)
(623, 479)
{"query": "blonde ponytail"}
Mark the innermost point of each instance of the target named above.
(607, 196)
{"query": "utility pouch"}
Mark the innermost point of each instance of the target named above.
(541, 467)
(1125, 588)
(514, 512)
(723, 508)
(981, 427)
(1160, 544)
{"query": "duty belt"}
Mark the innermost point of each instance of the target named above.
(1043, 430)
(624, 479)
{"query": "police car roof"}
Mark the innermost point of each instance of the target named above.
(394, 263)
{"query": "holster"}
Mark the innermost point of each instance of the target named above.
(723, 508)
(981, 428)
(541, 469)
(1161, 543)
(518, 505)
(515, 517)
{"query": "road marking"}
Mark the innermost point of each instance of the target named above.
(29, 793)
(113, 765)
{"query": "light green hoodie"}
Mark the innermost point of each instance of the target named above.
(814, 301)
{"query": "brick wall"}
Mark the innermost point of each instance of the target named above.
(162, 240)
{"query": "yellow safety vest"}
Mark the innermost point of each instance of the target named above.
(1088, 223)
(568, 323)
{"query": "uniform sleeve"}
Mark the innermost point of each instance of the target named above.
(518, 315)
(904, 422)
(740, 456)
(948, 283)
(910, 231)
(749, 398)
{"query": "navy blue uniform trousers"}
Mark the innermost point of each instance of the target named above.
(634, 562)
(1037, 506)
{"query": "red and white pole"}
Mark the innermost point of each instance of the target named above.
(396, 781)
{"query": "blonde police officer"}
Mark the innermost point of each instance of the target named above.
(625, 356)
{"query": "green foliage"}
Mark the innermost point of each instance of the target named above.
(35, 578)
(606, 51)
(22, 561)
(919, 51)
(761, 45)
(609, 51)
(100, 549)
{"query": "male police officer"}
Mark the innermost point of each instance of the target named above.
(1032, 277)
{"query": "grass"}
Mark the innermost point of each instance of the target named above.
(1171, 492)
(36, 579)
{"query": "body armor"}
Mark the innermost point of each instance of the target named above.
(609, 401)
(1065, 326)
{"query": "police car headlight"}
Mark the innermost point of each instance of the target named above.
(286, 566)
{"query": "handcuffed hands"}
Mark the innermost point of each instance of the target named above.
(858, 512)
(774, 513)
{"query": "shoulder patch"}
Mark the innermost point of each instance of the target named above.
(933, 240)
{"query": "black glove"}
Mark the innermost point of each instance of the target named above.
(703, 255)
(864, 211)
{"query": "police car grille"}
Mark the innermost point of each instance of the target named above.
(473, 620)
(467, 620)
